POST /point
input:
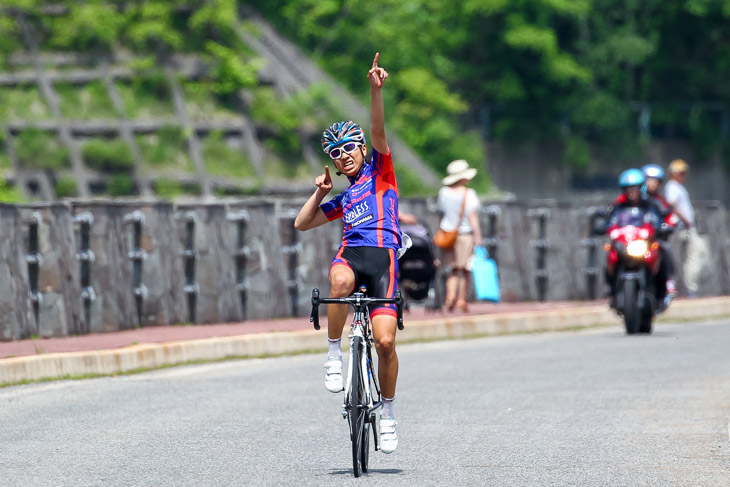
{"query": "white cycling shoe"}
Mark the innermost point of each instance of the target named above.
(333, 375)
(388, 435)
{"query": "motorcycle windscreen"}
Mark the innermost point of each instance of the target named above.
(634, 216)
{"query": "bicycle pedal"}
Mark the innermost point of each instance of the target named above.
(344, 413)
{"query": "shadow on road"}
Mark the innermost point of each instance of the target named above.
(638, 336)
(369, 472)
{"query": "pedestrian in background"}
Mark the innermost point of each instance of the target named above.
(678, 196)
(456, 200)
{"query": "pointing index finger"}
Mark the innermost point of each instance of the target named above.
(375, 61)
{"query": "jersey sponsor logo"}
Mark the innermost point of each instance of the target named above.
(355, 212)
(363, 220)
(355, 190)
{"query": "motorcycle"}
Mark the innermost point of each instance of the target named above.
(633, 259)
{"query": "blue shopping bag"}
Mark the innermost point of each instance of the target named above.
(486, 282)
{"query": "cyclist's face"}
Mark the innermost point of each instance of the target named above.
(350, 164)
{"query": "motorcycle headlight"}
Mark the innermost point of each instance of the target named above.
(637, 248)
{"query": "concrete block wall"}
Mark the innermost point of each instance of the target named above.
(77, 267)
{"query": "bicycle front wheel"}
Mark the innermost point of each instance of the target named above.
(357, 412)
(365, 446)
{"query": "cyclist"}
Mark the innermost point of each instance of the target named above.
(654, 175)
(631, 182)
(371, 239)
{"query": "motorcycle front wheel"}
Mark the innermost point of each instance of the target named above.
(647, 321)
(631, 311)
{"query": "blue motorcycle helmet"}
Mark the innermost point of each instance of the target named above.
(631, 177)
(653, 171)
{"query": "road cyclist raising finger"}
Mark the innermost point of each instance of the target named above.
(371, 240)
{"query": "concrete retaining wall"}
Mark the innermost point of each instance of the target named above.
(94, 266)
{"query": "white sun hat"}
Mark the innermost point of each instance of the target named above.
(458, 170)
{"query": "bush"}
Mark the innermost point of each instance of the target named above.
(37, 149)
(9, 194)
(23, 102)
(108, 155)
(168, 189)
(90, 101)
(120, 185)
(148, 96)
(166, 148)
(65, 187)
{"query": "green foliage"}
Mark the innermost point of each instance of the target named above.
(23, 102)
(87, 25)
(545, 70)
(148, 27)
(9, 37)
(10, 194)
(65, 187)
(201, 102)
(168, 189)
(224, 160)
(147, 96)
(120, 185)
(86, 102)
(410, 183)
(36, 149)
(705, 133)
(166, 148)
(230, 71)
(541, 67)
(577, 153)
(108, 155)
(215, 18)
(283, 118)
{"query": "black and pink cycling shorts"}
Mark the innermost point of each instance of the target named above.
(377, 269)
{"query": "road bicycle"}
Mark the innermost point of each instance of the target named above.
(362, 390)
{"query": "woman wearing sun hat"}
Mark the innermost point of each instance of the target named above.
(452, 196)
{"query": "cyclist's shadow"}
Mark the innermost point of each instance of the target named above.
(387, 471)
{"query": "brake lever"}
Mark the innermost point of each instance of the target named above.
(314, 316)
(399, 308)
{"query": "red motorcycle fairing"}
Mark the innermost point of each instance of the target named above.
(623, 235)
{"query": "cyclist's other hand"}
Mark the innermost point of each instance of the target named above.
(324, 181)
(376, 75)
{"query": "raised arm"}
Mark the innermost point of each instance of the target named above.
(377, 77)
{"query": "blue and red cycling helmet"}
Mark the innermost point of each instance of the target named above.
(341, 132)
(653, 171)
(631, 177)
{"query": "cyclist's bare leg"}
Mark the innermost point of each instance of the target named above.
(342, 282)
(384, 327)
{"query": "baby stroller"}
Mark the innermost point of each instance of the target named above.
(417, 277)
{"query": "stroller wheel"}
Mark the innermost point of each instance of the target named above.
(432, 304)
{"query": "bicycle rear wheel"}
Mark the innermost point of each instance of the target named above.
(357, 413)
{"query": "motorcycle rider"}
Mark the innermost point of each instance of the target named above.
(654, 175)
(631, 182)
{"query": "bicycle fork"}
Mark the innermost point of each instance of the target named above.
(356, 331)
(366, 379)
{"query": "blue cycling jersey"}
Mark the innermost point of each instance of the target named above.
(369, 207)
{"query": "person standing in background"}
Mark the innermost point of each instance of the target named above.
(451, 196)
(678, 196)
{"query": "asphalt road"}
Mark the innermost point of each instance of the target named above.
(589, 408)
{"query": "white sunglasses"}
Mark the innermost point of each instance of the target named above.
(347, 148)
